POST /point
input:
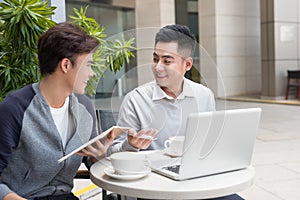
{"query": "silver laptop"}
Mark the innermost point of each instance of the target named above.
(215, 142)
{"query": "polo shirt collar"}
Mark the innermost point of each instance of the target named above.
(187, 91)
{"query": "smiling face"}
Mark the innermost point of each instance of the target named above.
(81, 73)
(169, 67)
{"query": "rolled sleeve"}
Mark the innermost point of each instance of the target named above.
(121, 146)
(128, 147)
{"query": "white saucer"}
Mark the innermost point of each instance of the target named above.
(171, 153)
(128, 177)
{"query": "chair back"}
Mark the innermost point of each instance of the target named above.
(293, 74)
(293, 81)
(106, 119)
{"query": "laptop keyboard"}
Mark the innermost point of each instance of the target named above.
(173, 168)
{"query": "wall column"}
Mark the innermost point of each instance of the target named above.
(230, 33)
(60, 11)
(280, 44)
(150, 16)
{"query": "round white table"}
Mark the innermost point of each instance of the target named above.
(155, 186)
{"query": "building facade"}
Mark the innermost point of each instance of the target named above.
(245, 46)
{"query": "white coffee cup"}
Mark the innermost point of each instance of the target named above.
(125, 163)
(174, 145)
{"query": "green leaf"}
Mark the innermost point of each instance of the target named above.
(21, 24)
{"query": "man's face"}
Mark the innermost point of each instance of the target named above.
(82, 72)
(168, 66)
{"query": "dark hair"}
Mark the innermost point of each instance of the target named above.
(181, 35)
(64, 40)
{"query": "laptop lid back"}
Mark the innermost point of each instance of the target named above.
(219, 141)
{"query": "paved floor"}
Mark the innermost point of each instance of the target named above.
(276, 155)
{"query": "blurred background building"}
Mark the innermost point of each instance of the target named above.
(251, 43)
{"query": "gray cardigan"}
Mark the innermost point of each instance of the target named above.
(30, 144)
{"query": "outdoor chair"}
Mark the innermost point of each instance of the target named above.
(293, 82)
(106, 119)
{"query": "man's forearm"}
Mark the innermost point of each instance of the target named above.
(13, 196)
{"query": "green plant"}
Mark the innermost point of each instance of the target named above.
(109, 55)
(21, 24)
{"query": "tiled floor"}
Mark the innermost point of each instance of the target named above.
(276, 154)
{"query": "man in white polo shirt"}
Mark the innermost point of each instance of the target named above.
(160, 108)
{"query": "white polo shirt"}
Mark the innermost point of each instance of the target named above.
(148, 106)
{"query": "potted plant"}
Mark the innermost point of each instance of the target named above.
(21, 24)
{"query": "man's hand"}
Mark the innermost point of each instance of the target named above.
(98, 149)
(142, 139)
(13, 196)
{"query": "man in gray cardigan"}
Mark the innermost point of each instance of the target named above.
(42, 122)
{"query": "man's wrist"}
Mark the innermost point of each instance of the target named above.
(126, 146)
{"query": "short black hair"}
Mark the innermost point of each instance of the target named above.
(64, 40)
(180, 34)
